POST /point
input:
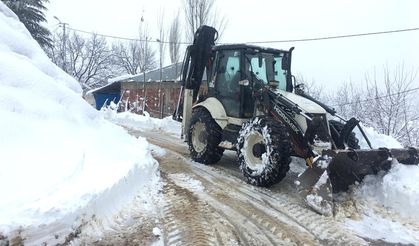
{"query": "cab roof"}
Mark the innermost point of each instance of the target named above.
(248, 46)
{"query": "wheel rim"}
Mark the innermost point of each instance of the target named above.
(199, 137)
(254, 159)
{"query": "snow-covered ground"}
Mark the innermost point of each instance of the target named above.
(142, 123)
(386, 204)
(63, 164)
(60, 160)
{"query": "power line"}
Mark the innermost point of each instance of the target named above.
(261, 42)
(125, 38)
(336, 37)
(375, 98)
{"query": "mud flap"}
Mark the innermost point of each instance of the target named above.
(315, 187)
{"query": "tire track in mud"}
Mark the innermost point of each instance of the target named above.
(253, 215)
(323, 228)
(184, 217)
(252, 225)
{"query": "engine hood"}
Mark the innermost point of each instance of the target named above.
(306, 105)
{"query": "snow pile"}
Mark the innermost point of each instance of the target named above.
(398, 190)
(143, 123)
(377, 140)
(388, 202)
(59, 157)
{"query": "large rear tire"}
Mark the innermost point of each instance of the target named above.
(352, 140)
(264, 150)
(204, 136)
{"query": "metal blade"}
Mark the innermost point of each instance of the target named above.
(315, 187)
(348, 167)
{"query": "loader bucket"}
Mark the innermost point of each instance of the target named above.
(336, 170)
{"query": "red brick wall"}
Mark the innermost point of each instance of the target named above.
(161, 97)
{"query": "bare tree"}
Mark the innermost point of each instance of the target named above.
(202, 12)
(161, 40)
(128, 57)
(387, 104)
(86, 59)
(174, 41)
(310, 87)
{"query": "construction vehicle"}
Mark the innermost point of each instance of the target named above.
(252, 104)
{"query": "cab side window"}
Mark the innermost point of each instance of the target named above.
(227, 82)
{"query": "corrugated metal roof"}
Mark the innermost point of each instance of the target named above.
(169, 73)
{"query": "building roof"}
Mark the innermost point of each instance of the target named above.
(169, 73)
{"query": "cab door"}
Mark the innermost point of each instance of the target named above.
(225, 81)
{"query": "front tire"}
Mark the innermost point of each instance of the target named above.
(204, 136)
(264, 150)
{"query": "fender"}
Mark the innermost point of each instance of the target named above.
(216, 109)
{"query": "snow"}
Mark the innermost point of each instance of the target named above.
(377, 140)
(321, 206)
(157, 231)
(398, 190)
(377, 228)
(387, 203)
(61, 161)
(187, 182)
(143, 122)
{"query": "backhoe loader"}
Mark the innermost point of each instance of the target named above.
(251, 103)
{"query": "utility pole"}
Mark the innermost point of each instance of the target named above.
(145, 60)
(161, 74)
(63, 24)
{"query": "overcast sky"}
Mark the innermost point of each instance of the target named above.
(328, 63)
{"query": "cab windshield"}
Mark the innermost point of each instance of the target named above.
(266, 67)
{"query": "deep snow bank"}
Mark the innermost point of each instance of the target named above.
(58, 157)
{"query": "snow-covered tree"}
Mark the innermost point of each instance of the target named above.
(385, 101)
(31, 14)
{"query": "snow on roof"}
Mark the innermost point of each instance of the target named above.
(169, 73)
(55, 160)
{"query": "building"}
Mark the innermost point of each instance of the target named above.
(143, 92)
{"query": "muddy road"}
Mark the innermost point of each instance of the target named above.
(212, 205)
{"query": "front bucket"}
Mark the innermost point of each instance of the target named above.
(348, 167)
(336, 170)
